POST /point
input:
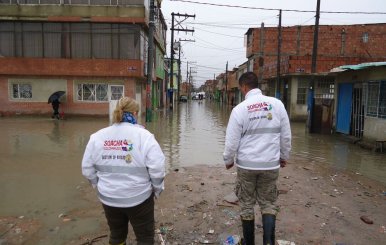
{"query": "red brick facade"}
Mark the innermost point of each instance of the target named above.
(337, 45)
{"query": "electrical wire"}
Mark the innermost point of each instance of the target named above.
(275, 9)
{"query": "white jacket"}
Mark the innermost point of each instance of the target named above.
(125, 163)
(258, 133)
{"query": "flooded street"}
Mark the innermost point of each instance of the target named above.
(40, 173)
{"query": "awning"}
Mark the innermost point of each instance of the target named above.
(357, 67)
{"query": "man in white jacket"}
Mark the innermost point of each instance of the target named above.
(258, 140)
(126, 165)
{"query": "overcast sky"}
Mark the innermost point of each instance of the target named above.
(219, 31)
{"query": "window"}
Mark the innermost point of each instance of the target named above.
(376, 99)
(302, 93)
(32, 40)
(325, 89)
(365, 37)
(116, 92)
(101, 41)
(92, 92)
(7, 39)
(71, 40)
(80, 40)
(21, 91)
(52, 40)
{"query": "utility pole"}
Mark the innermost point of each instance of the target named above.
(179, 64)
(226, 83)
(278, 58)
(179, 70)
(187, 78)
(178, 28)
(310, 100)
(150, 62)
(261, 54)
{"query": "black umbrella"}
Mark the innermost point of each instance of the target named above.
(55, 96)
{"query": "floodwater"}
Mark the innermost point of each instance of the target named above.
(40, 159)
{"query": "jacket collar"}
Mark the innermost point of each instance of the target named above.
(253, 92)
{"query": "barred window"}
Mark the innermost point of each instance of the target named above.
(21, 91)
(325, 89)
(116, 92)
(92, 92)
(376, 99)
(301, 98)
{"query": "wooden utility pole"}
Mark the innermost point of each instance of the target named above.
(261, 53)
(226, 84)
(311, 90)
(278, 58)
(150, 62)
(179, 64)
(179, 71)
(173, 28)
(187, 78)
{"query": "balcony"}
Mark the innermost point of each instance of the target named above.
(123, 11)
(80, 2)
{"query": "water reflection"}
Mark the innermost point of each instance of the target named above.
(193, 134)
(338, 152)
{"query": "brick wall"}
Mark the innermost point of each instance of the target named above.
(337, 45)
(232, 81)
(71, 67)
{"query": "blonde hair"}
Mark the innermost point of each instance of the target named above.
(125, 104)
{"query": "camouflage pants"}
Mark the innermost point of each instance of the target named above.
(260, 186)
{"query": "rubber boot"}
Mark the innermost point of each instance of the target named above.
(269, 229)
(248, 232)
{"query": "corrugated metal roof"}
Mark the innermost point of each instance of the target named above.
(357, 67)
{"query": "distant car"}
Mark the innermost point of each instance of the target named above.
(183, 98)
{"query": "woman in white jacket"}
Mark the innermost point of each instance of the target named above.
(126, 165)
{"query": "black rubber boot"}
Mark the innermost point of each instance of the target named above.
(269, 229)
(248, 232)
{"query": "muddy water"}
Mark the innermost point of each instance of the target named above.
(193, 134)
(40, 159)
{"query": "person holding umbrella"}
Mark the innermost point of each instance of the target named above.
(54, 100)
(55, 106)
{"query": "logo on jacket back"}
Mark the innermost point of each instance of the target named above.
(261, 106)
(123, 145)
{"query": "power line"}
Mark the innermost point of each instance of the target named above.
(222, 49)
(218, 33)
(274, 9)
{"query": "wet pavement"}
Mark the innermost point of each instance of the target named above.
(40, 158)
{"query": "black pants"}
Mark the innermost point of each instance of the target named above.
(141, 217)
(55, 107)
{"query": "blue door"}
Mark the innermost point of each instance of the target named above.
(343, 121)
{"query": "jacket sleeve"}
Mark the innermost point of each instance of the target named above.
(155, 163)
(232, 137)
(285, 134)
(88, 169)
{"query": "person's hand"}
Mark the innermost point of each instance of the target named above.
(229, 166)
(283, 163)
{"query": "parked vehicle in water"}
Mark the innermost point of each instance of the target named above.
(184, 98)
